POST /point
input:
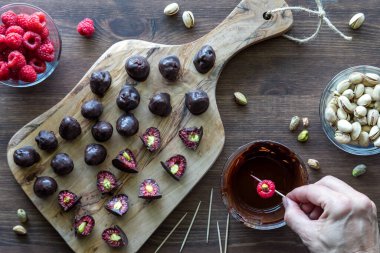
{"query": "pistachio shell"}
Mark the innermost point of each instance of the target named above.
(314, 164)
(364, 139)
(366, 128)
(376, 93)
(342, 138)
(374, 133)
(373, 117)
(342, 114)
(344, 126)
(377, 142)
(371, 79)
(171, 9)
(369, 91)
(188, 19)
(330, 115)
(361, 120)
(360, 111)
(356, 21)
(20, 230)
(294, 123)
(349, 94)
(345, 104)
(356, 130)
(355, 78)
(365, 100)
(240, 98)
(305, 122)
(359, 90)
(342, 86)
(21, 214)
(377, 105)
(359, 170)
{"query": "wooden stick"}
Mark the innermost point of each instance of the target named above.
(209, 215)
(226, 237)
(171, 232)
(191, 224)
(279, 193)
(220, 241)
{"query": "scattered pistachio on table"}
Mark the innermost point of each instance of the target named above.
(357, 21)
(188, 19)
(303, 136)
(22, 216)
(314, 164)
(294, 123)
(359, 170)
(305, 122)
(240, 98)
(20, 230)
(171, 9)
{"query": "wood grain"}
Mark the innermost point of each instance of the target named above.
(243, 27)
(279, 78)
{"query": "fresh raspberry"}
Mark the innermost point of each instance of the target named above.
(5, 53)
(4, 71)
(9, 18)
(32, 40)
(47, 41)
(3, 29)
(38, 65)
(13, 74)
(46, 52)
(15, 29)
(86, 27)
(3, 43)
(41, 17)
(34, 24)
(266, 189)
(44, 33)
(27, 74)
(13, 40)
(22, 20)
(16, 60)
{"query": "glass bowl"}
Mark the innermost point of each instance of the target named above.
(326, 97)
(54, 37)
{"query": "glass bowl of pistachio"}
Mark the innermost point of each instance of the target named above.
(349, 110)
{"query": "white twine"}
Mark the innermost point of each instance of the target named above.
(322, 18)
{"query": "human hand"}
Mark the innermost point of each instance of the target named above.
(331, 217)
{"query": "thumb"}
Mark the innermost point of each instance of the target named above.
(295, 218)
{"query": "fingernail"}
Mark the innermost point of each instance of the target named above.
(285, 202)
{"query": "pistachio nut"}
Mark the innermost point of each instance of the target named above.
(345, 104)
(360, 111)
(333, 103)
(330, 115)
(377, 105)
(359, 170)
(305, 122)
(356, 21)
(20, 230)
(342, 86)
(377, 142)
(349, 94)
(378, 123)
(366, 128)
(364, 139)
(354, 142)
(369, 91)
(356, 130)
(374, 133)
(371, 79)
(376, 93)
(314, 164)
(294, 123)
(342, 114)
(364, 100)
(240, 98)
(372, 117)
(342, 138)
(344, 126)
(303, 136)
(355, 78)
(21, 214)
(171, 9)
(359, 90)
(361, 120)
(188, 19)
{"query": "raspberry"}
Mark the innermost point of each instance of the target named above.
(27, 74)
(22, 20)
(46, 52)
(41, 17)
(3, 43)
(15, 29)
(16, 60)
(9, 18)
(13, 74)
(266, 189)
(38, 65)
(34, 24)
(86, 27)
(4, 71)
(3, 29)
(32, 40)
(13, 40)
(44, 33)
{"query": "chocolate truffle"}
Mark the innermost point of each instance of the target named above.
(95, 154)
(62, 164)
(92, 109)
(69, 129)
(100, 81)
(170, 67)
(45, 186)
(137, 68)
(127, 124)
(204, 60)
(102, 131)
(197, 101)
(160, 104)
(26, 156)
(46, 140)
(128, 98)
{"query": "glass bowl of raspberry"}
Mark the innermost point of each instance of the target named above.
(30, 45)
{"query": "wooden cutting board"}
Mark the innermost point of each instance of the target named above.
(243, 27)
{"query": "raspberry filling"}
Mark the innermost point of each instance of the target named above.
(266, 189)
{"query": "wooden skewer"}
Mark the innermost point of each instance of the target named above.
(279, 193)
(209, 215)
(191, 224)
(226, 237)
(220, 241)
(171, 232)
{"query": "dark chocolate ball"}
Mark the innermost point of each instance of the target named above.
(197, 101)
(160, 104)
(95, 154)
(138, 68)
(62, 164)
(46, 140)
(26, 156)
(128, 98)
(204, 60)
(102, 131)
(170, 67)
(127, 124)
(69, 129)
(45, 186)
(100, 81)
(92, 109)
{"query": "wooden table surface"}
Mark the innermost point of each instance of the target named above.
(279, 78)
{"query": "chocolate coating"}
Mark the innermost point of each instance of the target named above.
(62, 164)
(46, 140)
(95, 154)
(160, 104)
(45, 186)
(69, 129)
(100, 81)
(204, 60)
(170, 67)
(92, 109)
(138, 68)
(197, 101)
(128, 98)
(102, 131)
(26, 156)
(127, 124)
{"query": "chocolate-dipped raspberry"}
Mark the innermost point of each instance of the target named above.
(160, 104)
(118, 205)
(137, 68)
(95, 154)
(125, 161)
(46, 140)
(170, 67)
(191, 136)
(127, 124)
(102, 131)
(197, 101)
(151, 139)
(175, 166)
(69, 129)
(115, 237)
(204, 60)
(100, 81)
(62, 164)
(128, 98)
(67, 200)
(45, 186)
(84, 225)
(26, 156)
(149, 189)
(106, 182)
(92, 109)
